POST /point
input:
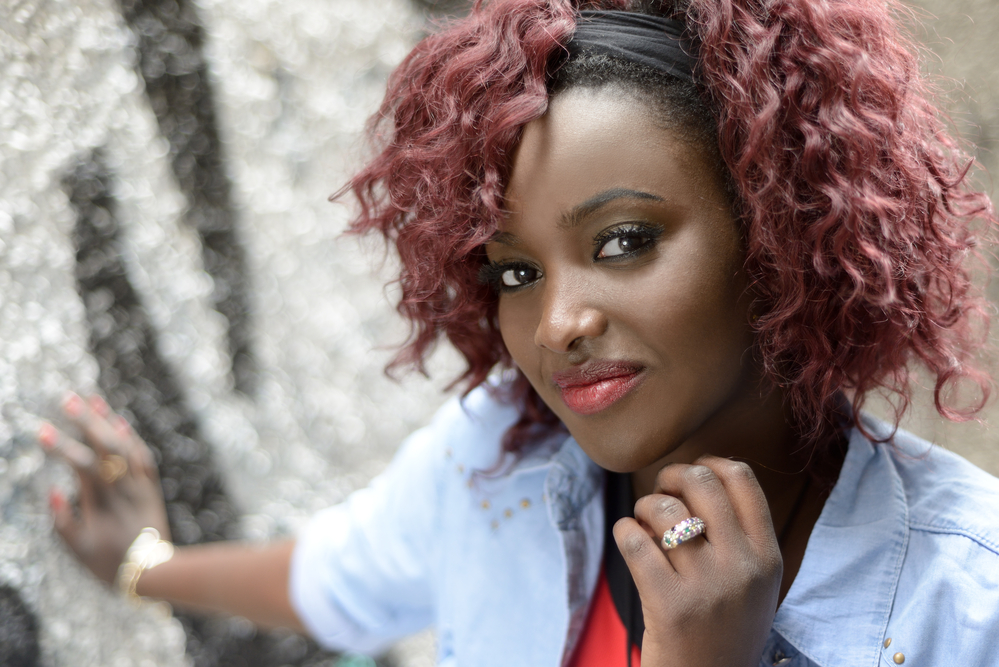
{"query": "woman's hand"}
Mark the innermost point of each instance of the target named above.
(119, 487)
(709, 601)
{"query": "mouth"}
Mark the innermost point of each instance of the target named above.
(597, 385)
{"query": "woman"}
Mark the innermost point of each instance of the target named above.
(678, 247)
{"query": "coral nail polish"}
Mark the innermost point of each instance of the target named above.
(56, 501)
(47, 435)
(122, 426)
(100, 406)
(73, 405)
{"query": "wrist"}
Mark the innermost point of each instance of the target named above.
(147, 551)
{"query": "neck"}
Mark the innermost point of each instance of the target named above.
(758, 432)
(753, 429)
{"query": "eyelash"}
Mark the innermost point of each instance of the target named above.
(491, 274)
(648, 233)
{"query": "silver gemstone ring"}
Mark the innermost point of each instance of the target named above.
(682, 532)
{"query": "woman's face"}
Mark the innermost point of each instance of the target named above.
(622, 296)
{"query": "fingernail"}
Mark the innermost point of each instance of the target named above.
(56, 500)
(47, 435)
(100, 406)
(72, 405)
(122, 426)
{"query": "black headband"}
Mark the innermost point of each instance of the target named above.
(659, 43)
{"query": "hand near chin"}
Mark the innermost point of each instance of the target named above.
(119, 492)
(711, 600)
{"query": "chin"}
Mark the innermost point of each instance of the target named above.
(619, 450)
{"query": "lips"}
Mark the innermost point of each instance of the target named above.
(596, 385)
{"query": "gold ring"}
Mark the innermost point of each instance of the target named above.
(111, 468)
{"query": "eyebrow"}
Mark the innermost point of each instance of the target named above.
(580, 212)
(505, 238)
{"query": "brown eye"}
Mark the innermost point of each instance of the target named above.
(624, 244)
(518, 276)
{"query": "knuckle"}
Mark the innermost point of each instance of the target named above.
(741, 470)
(700, 475)
(773, 563)
(664, 474)
(633, 544)
(668, 505)
(762, 570)
(659, 508)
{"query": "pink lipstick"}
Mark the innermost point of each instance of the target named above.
(596, 385)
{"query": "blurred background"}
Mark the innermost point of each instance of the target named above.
(165, 239)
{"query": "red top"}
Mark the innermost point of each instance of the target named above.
(604, 637)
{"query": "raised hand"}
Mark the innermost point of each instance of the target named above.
(119, 486)
(711, 600)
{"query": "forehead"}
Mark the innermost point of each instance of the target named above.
(593, 140)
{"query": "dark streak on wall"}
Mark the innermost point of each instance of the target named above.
(438, 8)
(18, 631)
(172, 64)
(133, 377)
(140, 386)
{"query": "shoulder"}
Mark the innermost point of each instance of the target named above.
(465, 435)
(470, 429)
(947, 591)
(945, 493)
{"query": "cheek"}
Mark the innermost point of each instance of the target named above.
(517, 328)
(694, 319)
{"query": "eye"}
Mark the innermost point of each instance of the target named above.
(518, 276)
(508, 276)
(625, 241)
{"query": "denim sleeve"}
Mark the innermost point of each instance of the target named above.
(362, 571)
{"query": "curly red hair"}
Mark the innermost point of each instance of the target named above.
(854, 198)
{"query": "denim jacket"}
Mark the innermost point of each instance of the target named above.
(501, 556)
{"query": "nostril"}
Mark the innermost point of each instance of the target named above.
(565, 333)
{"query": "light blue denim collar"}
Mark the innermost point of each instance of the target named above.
(837, 610)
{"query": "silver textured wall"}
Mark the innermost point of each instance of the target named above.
(128, 205)
(165, 238)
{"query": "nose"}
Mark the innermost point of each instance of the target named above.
(569, 315)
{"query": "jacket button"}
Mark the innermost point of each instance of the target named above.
(899, 658)
(888, 642)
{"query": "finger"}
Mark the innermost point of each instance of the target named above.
(78, 456)
(661, 513)
(654, 575)
(66, 525)
(97, 431)
(748, 501)
(658, 513)
(125, 440)
(705, 496)
(140, 457)
(99, 405)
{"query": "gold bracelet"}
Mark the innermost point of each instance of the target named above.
(147, 551)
